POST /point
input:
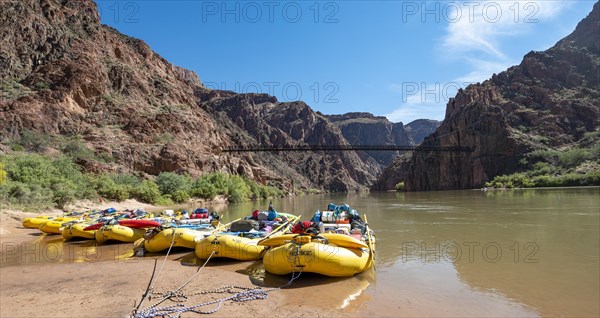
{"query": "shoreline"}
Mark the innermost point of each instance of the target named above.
(43, 276)
(86, 205)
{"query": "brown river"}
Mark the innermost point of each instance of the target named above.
(473, 253)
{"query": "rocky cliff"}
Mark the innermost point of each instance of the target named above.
(419, 129)
(367, 129)
(548, 101)
(64, 75)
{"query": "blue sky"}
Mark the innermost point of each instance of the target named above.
(400, 59)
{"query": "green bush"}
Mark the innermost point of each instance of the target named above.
(573, 157)
(203, 188)
(237, 189)
(165, 200)
(76, 149)
(64, 193)
(148, 192)
(33, 140)
(170, 182)
(593, 178)
(545, 181)
(180, 196)
(595, 152)
(520, 180)
(545, 155)
(42, 181)
(400, 186)
(541, 168)
(106, 186)
(219, 181)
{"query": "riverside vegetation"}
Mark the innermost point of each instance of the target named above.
(29, 180)
(578, 166)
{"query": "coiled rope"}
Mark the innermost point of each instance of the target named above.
(240, 294)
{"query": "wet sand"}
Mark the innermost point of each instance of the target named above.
(42, 276)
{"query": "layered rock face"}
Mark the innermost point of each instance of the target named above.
(551, 99)
(419, 129)
(367, 129)
(259, 119)
(62, 73)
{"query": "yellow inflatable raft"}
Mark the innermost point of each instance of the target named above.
(34, 223)
(180, 237)
(330, 254)
(229, 246)
(76, 230)
(238, 247)
(118, 233)
(55, 226)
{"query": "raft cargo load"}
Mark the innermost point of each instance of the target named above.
(238, 240)
(340, 244)
(181, 233)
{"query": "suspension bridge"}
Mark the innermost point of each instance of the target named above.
(264, 148)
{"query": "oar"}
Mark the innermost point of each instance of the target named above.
(220, 226)
(286, 224)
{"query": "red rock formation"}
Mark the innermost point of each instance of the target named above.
(62, 73)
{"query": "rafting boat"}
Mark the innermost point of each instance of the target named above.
(120, 233)
(332, 249)
(181, 232)
(127, 231)
(77, 230)
(239, 239)
(35, 222)
(55, 226)
(158, 240)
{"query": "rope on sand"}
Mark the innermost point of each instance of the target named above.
(240, 294)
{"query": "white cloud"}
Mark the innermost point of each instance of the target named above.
(483, 69)
(476, 29)
(476, 38)
(422, 100)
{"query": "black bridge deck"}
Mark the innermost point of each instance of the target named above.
(346, 148)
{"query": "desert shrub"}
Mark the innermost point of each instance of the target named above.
(517, 180)
(33, 140)
(147, 192)
(106, 186)
(203, 188)
(573, 157)
(595, 152)
(400, 186)
(165, 200)
(170, 182)
(237, 189)
(180, 196)
(544, 155)
(76, 149)
(541, 168)
(219, 181)
(64, 193)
